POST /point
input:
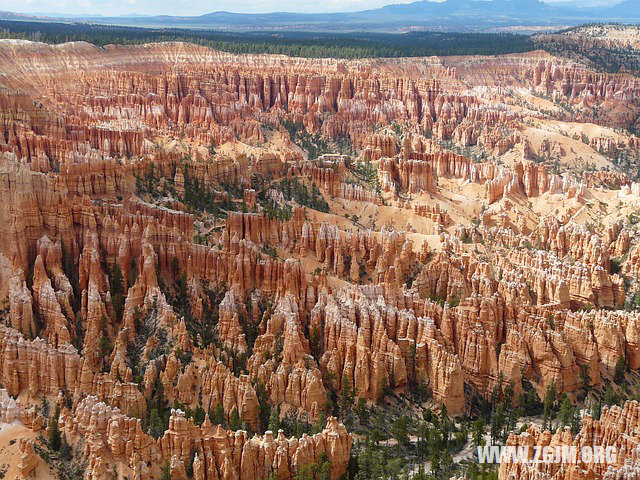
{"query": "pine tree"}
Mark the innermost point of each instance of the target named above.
(477, 432)
(175, 267)
(66, 452)
(217, 417)
(274, 420)
(400, 431)
(198, 415)
(621, 367)
(596, 409)
(234, 421)
(166, 472)
(55, 436)
(264, 413)
(346, 397)
(497, 422)
(117, 291)
(549, 404)
(117, 282)
(565, 412)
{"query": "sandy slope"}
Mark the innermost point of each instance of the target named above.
(10, 452)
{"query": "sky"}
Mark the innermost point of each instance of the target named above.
(199, 7)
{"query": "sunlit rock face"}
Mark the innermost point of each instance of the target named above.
(168, 238)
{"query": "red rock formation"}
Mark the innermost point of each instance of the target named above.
(138, 292)
(614, 429)
(436, 214)
(220, 453)
(28, 458)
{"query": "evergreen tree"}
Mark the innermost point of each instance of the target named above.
(621, 368)
(198, 415)
(566, 412)
(549, 404)
(477, 432)
(596, 409)
(66, 452)
(610, 396)
(274, 420)
(54, 435)
(264, 412)
(166, 472)
(497, 423)
(234, 420)
(347, 395)
(117, 291)
(362, 412)
(370, 462)
(400, 431)
(217, 417)
(156, 426)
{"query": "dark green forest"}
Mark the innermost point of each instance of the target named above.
(349, 45)
(296, 44)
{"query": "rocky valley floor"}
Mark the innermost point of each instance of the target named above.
(218, 266)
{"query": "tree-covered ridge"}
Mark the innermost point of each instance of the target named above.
(348, 45)
(590, 45)
(297, 44)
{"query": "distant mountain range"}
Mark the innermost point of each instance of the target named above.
(449, 14)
